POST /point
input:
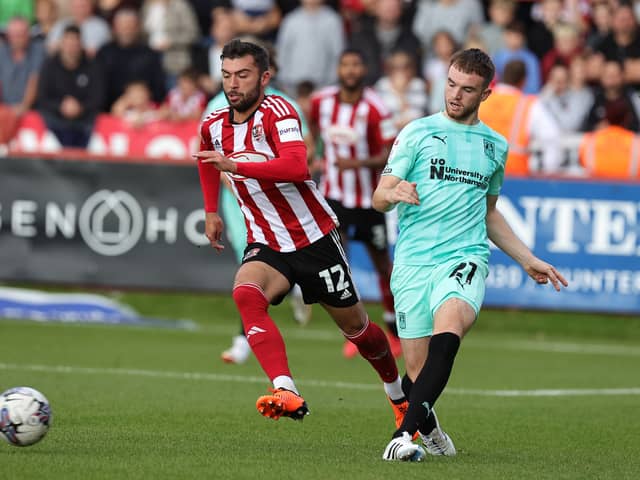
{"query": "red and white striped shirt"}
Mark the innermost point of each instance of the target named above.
(354, 131)
(282, 207)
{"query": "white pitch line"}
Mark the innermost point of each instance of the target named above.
(544, 346)
(562, 392)
(218, 377)
(559, 347)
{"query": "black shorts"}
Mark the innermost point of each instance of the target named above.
(321, 270)
(362, 224)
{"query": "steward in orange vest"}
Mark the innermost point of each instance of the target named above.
(611, 152)
(506, 111)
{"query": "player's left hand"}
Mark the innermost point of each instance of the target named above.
(347, 163)
(219, 161)
(543, 273)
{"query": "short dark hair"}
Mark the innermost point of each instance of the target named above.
(515, 73)
(237, 48)
(305, 88)
(474, 60)
(354, 51)
(516, 26)
(72, 28)
(618, 112)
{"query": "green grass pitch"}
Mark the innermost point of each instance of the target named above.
(533, 396)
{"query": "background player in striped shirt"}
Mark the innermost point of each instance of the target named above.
(356, 131)
(292, 235)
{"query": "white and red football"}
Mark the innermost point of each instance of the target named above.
(246, 156)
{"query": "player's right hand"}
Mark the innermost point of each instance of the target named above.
(405, 192)
(213, 226)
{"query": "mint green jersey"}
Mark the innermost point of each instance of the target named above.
(455, 167)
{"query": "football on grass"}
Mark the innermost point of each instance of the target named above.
(25, 416)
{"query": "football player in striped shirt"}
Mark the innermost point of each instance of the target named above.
(292, 235)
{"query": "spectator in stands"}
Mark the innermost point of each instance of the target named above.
(568, 100)
(135, 106)
(436, 68)
(46, 16)
(569, 104)
(491, 32)
(206, 54)
(402, 91)
(107, 9)
(531, 131)
(172, 28)
(20, 62)
(185, 101)
(455, 16)
(601, 22)
(260, 18)
(15, 8)
(613, 91)
(540, 34)
(302, 58)
(612, 151)
(623, 44)
(567, 45)
(73, 92)
(516, 49)
(95, 31)
(379, 35)
(127, 58)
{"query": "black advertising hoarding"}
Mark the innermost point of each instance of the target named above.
(115, 224)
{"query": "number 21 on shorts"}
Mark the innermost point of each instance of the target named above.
(464, 272)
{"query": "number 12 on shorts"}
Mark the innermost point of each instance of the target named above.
(328, 275)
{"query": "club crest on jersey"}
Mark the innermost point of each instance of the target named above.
(251, 253)
(257, 132)
(489, 149)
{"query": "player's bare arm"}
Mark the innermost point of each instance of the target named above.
(393, 190)
(502, 235)
(213, 227)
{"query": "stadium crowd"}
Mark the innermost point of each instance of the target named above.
(565, 93)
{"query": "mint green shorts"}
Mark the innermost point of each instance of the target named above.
(418, 291)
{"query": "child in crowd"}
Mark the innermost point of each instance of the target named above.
(135, 105)
(185, 101)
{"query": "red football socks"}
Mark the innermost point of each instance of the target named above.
(373, 345)
(263, 335)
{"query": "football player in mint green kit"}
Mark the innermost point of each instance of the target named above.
(444, 173)
(236, 229)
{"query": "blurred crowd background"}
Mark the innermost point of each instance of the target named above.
(565, 93)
